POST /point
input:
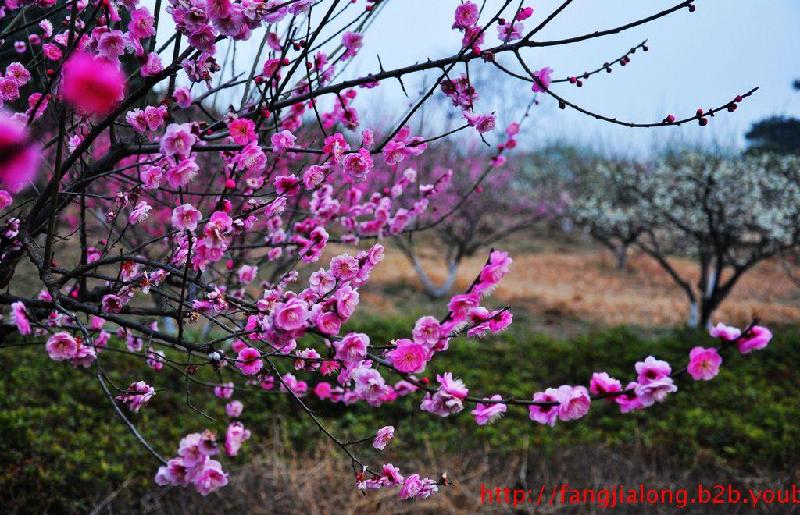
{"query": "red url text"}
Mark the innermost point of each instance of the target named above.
(610, 497)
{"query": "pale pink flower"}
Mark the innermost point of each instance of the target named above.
(725, 332)
(61, 346)
(234, 437)
(414, 486)
(574, 401)
(427, 331)
(19, 317)
(182, 173)
(448, 399)
(211, 477)
(92, 85)
(629, 401)
(247, 273)
(137, 395)
(344, 267)
(756, 339)
(155, 359)
(384, 436)
(603, 383)
(234, 409)
(142, 23)
(703, 363)
(292, 315)
(481, 122)
(224, 390)
(294, 385)
(346, 301)
(359, 164)
(140, 212)
(178, 140)
(9, 89)
(185, 217)
(183, 97)
(655, 391)
(488, 413)
(282, 141)
(547, 414)
(352, 348)
(5, 199)
(18, 72)
(652, 369)
(153, 65)
(173, 473)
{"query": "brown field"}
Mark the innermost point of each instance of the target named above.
(574, 282)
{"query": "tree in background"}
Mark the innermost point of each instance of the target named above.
(520, 195)
(608, 210)
(728, 214)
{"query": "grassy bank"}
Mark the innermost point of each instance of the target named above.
(63, 449)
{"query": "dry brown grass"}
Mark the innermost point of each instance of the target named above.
(583, 283)
(283, 482)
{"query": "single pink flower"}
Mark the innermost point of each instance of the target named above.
(756, 339)
(292, 315)
(542, 79)
(725, 332)
(652, 369)
(211, 477)
(61, 346)
(19, 156)
(352, 348)
(185, 217)
(384, 436)
(489, 412)
(249, 361)
(703, 363)
(92, 85)
(547, 414)
(19, 317)
(408, 357)
(602, 383)
(466, 15)
(234, 437)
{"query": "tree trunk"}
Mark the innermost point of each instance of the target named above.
(693, 315)
(622, 256)
(433, 291)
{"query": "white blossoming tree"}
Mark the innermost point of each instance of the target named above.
(728, 214)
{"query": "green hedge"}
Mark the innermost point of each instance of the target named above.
(63, 448)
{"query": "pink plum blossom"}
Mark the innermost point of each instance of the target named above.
(703, 363)
(488, 413)
(408, 356)
(384, 436)
(137, 395)
(249, 361)
(92, 85)
(61, 346)
(725, 332)
(20, 155)
(756, 339)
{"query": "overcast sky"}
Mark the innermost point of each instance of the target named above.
(700, 59)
